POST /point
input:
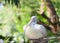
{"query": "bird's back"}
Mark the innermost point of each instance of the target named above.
(41, 28)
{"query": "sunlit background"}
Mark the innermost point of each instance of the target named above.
(14, 14)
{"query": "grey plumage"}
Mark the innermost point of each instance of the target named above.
(33, 30)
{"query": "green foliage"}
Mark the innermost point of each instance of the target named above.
(56, 4)
(12, 19)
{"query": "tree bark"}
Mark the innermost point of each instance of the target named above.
(52, 16)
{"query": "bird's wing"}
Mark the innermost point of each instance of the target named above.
(41, 29)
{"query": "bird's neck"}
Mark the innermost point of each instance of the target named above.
(31, 23)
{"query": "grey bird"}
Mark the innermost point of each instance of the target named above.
(35, 31)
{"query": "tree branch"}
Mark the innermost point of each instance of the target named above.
(52, 16)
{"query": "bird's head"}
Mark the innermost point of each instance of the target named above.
(34, 19)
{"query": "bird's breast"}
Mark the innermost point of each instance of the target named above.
(33, 33)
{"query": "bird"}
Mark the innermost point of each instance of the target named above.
(33, 30)
(1, 41)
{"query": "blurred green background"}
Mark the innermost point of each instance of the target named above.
(14, 14)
